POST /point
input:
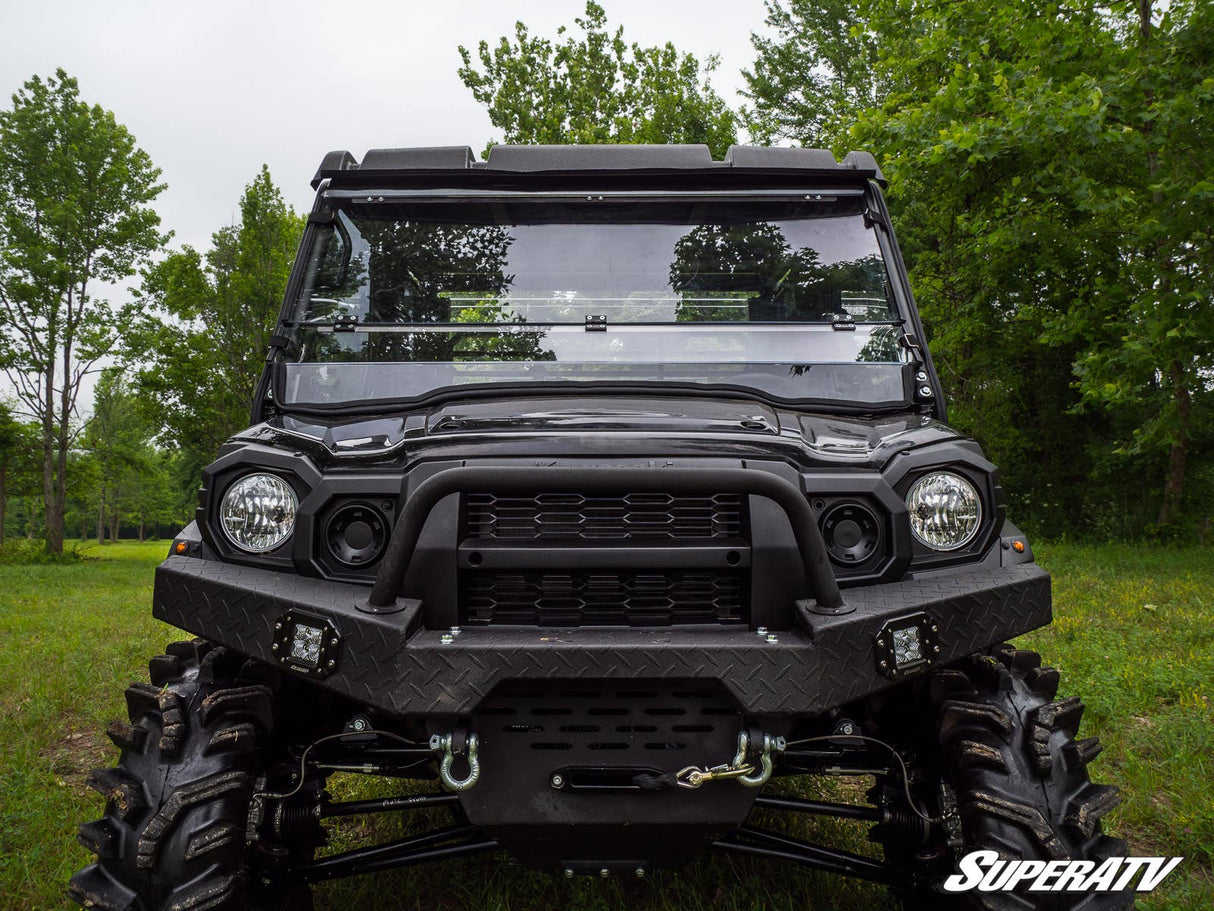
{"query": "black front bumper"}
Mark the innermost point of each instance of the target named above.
(389, 662)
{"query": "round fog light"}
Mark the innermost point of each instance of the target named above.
(356, 535)
(852, 533)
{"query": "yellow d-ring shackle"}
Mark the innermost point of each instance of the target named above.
(765, 762)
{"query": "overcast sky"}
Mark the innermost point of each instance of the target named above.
(213, 89)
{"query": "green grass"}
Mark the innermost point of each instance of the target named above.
(1133, 636)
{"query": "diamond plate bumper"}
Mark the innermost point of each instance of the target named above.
(390, 663)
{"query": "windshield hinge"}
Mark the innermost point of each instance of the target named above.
(843, 322)
(596, 322)
(345, 323)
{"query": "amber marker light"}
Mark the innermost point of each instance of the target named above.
(181, 547)
(1018, 546)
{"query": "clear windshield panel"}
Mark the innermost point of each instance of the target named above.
(873, 385)
(724, 292)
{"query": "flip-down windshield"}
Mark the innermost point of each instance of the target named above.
(786, 296)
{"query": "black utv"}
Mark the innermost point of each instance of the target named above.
(593, 492)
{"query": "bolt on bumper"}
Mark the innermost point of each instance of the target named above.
(390, 662)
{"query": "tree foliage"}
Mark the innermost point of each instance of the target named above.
(13, 444)
(75, 214)
(203, 339)
(596, 88)
(21, 503)
(1149, 337)
(1048, 171)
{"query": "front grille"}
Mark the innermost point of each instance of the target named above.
(631, 517)
(620, 598)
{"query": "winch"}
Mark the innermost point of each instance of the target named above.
(563, 763)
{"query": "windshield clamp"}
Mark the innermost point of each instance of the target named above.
(872, 218)
(911, 343)
(596, 322)
(345, 323)
(279, 341)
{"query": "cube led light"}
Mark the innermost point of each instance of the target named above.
(306, 643)
(906, 645)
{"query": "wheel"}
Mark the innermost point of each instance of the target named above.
(174, 831)
(1006, 748)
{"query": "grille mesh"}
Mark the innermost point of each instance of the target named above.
(633, 722)
(648, 516)
(622, 598)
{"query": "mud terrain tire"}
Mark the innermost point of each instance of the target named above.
(1009, 751)
(173, 834)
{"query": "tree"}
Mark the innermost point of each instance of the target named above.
(1048, 174)
(808, 82)
(207, 324)
(998, 149)
(597, 89)
(20, 469)
(119, 441)
(11, 440)
(1152, 342)
(155, 502)
(75, 194)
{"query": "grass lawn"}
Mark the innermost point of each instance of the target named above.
(1133, 636)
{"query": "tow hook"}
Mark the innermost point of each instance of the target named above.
(752, 774)
(458, 743)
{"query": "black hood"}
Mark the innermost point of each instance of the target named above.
(587, 425)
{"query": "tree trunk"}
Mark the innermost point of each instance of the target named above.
(54, 519)
(54, 525)
(48, 465)
(1174, 488)
(101, 516)
(115, 524)
(3, 495)
(1178, 452)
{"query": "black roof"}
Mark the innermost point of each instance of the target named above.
(456, 164)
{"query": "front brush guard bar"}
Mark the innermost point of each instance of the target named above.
(440, 844)
(755, 842)
(461, 840)
(526, 480)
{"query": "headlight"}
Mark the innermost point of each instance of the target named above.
(945, 510)
(258, 512)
